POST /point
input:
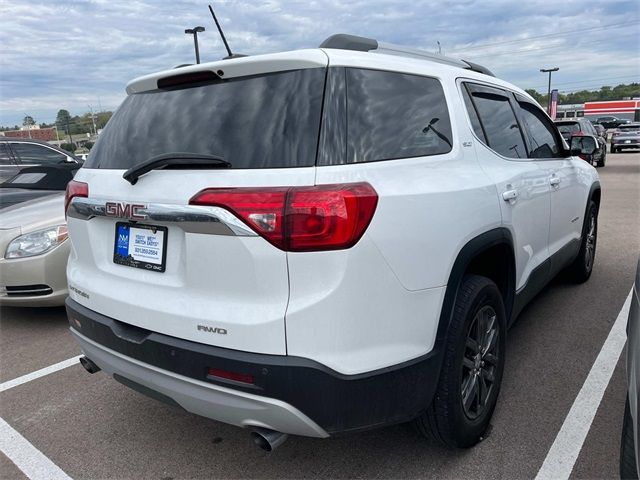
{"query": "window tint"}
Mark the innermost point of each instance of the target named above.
(260, 121)
(5, 156)
(392, 115)
(473, 115)
(33, 154)
(500, 124)
(539, 131)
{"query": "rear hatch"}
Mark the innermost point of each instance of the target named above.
(142, 254)
(568, 129)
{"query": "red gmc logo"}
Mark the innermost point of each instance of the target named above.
(125, 210)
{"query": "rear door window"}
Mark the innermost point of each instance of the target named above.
(393, 115)
(473, 115)
(5, 155)
(33, 154)
(260, 121)
(500, 125)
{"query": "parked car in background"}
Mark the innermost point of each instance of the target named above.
(579, 127)
(602, 132)
(625, 137)
(17, 153)
(611, 122)
(35, 182)
(629, 457)
(33, 237)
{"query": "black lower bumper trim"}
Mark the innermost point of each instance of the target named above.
(338, 403)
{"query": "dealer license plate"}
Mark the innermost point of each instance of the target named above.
(140, 246)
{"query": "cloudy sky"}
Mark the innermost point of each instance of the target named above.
(78, 53)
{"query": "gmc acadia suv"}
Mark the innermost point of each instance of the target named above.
(323, 241)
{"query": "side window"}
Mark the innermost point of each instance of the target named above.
(5, 155)
(539, 129)
(499, 122)
(473, 115)
(393, 115)
(33, 154)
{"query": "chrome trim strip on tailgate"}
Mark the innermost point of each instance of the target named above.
(190, 218)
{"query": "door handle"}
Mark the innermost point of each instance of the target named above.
(510, 195)
(554, 181)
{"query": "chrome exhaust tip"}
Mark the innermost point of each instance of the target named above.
(268, 440)
(88, 365)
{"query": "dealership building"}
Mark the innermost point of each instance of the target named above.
(629, 109)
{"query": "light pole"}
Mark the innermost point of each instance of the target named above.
(549, 70)
(194, 31)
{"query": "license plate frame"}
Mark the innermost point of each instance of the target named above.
(156, 262)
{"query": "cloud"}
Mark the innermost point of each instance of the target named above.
(74, 53)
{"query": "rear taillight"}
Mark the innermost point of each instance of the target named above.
(74, 189)
(300, 219)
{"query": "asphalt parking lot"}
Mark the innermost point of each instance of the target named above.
(92, 427)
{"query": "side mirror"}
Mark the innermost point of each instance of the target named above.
(583, 145)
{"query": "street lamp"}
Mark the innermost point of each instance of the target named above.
(194, 31)
(549, 70)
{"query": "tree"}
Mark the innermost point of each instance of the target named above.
(28, 121)
(62, 122)
(63, 119)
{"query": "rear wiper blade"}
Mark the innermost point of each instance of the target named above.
(176, 159)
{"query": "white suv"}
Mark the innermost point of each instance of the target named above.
(323, 241)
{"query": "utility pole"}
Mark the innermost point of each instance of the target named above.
(93, 120)
(194, 31)
(549, 70)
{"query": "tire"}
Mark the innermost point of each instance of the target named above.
(613, 150)
(628, 467)
(466, 368)
(603, 159)
(581, 268)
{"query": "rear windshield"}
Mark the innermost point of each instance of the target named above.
(570, 127)
(263, 121)
(629, 128)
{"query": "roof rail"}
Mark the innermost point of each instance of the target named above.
(344, 41)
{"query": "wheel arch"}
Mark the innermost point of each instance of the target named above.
(482, 255)
(595, 194)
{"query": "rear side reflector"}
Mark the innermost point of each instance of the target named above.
(300, 219)
(227, 375)
(74, 189)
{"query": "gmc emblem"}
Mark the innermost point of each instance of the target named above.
(125, 210)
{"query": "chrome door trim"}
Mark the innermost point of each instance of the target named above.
(190, 218)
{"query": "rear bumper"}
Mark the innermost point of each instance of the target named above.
(622, 144)
(213, 401)
(290, 394)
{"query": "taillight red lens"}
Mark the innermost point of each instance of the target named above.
(74, 189)
(300, 219)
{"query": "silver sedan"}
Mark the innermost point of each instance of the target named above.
(34, 250)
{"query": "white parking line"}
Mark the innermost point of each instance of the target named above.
(28, 458)
(38, 373)
(564, 452)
